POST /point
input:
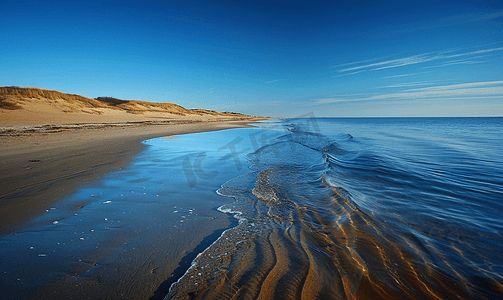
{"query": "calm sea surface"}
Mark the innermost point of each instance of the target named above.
(375, 208)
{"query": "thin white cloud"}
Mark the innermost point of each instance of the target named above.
(458, 62)
(454, 20)
(405, 75)
(275, 80)
(468, 60)
(357, 62)
(457, 19)
(491, 16)
(394, 62)
(442, 57)
(488, 89)
(347, 74)
(461, 86)
(470, 53)
(412, 60)
(409, 84)
(330, 100)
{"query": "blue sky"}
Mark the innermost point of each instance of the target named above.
(278, 58)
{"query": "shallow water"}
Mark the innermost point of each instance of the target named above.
(361, 209)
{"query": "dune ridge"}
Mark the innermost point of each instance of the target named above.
(35, 105)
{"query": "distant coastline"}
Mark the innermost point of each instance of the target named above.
(34, 106)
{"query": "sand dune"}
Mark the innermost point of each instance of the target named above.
(28, 106)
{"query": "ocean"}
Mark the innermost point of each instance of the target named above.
(361, 208)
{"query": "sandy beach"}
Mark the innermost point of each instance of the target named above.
(53, 145)
(40, 167)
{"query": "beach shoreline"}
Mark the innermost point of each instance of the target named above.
(42, 164)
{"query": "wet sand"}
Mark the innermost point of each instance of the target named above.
(40, 168)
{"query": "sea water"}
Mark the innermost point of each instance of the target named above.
(370, 208)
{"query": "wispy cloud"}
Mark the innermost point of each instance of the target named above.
(357, 62)
(453, 20)
(473, 90)
(410, 84)
(405, 75)
(347, 74)
(463, 18)
(275, 80)
(391, 63)
(461, 86)
(443, 58)
(460, 62)
(463, 61)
